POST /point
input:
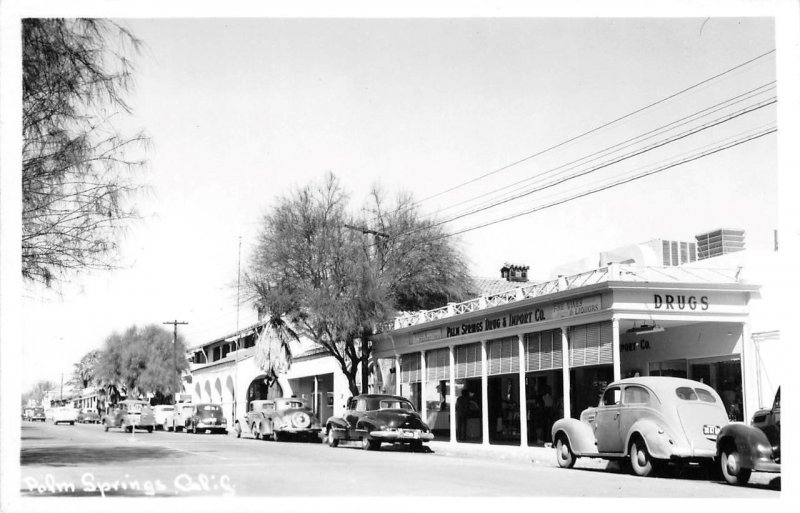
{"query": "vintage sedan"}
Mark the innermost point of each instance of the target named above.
(128, 415)
(648, 420)
(373, 419)
(88, 416)
(741, 449)
(65, 415)
(206, 417)
(180, 415)
(280, 419)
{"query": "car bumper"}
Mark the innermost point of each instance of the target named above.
(295, 431)
(681, 454)
(401, 436)
(203, 425)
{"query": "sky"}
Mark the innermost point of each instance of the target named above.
(242, 111)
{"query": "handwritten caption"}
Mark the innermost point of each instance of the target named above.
(91, 484)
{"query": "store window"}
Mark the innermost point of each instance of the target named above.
(674, 368)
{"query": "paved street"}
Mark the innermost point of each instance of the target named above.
(83, 460)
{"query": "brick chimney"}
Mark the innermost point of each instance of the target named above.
(513, 272)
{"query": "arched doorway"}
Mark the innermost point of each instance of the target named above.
(258, 390)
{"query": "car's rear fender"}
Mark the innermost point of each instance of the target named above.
(751, 443)
(338, 426)
(579, 435)
(656, 439)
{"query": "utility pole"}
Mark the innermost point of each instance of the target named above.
(366, 345)
(236, 354)
(175, 340)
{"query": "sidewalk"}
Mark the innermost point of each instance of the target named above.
(543, 456)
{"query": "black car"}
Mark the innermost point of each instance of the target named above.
(206, 416)
(373, 419)
(741, 449)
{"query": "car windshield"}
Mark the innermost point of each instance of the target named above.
(395, 404)
(695, 394)
(293, 404)
(210, 407)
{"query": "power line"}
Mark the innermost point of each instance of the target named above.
(609, 186)
(593, 130)
(627, 143)
(617, 160)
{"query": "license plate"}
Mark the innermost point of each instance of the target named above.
(711, 430)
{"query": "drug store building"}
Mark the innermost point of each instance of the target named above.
(539, 352)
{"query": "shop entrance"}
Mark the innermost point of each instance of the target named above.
(468, 422)
(503, 394)
(587, 385)
(544, 403)
(258, 390)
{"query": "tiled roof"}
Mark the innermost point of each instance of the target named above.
(490, 286)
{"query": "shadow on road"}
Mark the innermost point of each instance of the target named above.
(27, 434)
(687, 473)
(62, 456)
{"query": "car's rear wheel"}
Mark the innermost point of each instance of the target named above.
(564, 454)
(238, 428)
(105, 426)
(731, 466)
(332, 440)
(194, 428)
(641, 461)
(278, 436)
(149, 429)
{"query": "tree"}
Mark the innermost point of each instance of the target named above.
(83, 374)
(142, 361)
(38, 391)
(336, 280)
(75, 165)
(273, 351)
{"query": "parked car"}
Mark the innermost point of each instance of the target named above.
(741, 449)
(27, 413)
(206, 416)
(374, 418)
(38, 414)
(88, 416)
(128, 415)
(180, 415)
(65, 415)
(648, 420)
(281, 418)
(163, 415)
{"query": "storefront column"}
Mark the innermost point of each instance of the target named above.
(423, 404)
(484, 393)
(396, 374)
(317, 402)
(750, 399)
(565, 371)
(523, 400)
(615, 349)
(451, 401)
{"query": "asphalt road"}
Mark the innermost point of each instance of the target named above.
(83, 460)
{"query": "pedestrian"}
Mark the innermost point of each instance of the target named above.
(462, 413)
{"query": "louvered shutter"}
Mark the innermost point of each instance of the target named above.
(590, 344)
(410, 368)
(468, 361)
(437, 364)
(543, 350)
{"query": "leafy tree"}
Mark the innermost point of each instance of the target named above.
(273, 351)
(75, 164)
(38, 391)
(83, 374)
(141, 361)
(336, 277)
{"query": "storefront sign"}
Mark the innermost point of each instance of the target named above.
(426, 336)
(642, 345)
(680, 302)
(494, 323)
(573, 307)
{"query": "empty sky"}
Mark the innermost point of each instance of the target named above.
(241, 110)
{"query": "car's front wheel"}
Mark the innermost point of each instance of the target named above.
(238, 428)
(731, 466)
(105, 426)
(641, 461)
(564, 454)
(332, 440)
(370, 445)
(256, 431)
